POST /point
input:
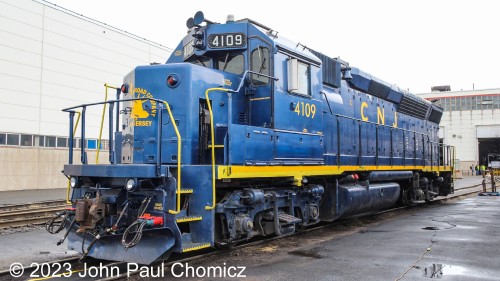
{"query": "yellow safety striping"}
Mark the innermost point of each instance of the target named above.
(228, 172)
(57, 275)
(188, 219)
(199, 247)
(186, 191)
(216, 146)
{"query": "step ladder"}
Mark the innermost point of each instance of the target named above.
(184, 216)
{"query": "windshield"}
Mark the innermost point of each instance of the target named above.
(201, 61)
(228, 62)
(232, 63)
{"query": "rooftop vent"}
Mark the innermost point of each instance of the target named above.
(444, 88)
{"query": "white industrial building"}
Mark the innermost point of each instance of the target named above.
(50, 59)
(471, 123)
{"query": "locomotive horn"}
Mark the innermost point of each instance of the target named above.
(190, 23)
(199, 18)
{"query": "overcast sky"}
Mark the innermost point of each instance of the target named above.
(413, 44)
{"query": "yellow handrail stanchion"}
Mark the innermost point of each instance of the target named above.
(179, 156)
(213, 142)
(69, 183)
(102, 121)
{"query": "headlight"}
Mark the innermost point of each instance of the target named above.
(73, 181)
(130, 185)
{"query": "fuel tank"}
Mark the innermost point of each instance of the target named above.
(356, 198)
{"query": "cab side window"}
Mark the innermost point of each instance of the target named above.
(299, 81)
(259, 63)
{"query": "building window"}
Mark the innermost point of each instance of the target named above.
(62, 142)
(12, 139)
(469, 103)
(41, 141)
(47, 141)
(26, 140)
(76, 143)
(91, 144)
(50, 141)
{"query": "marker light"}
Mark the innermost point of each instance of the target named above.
(173, 80)
(124, 88)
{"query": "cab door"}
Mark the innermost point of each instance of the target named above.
(298, 111)
(259, 95)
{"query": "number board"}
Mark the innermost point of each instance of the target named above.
(188, 49)
(227, 40)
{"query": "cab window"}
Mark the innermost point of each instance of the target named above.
(201, 61)
(259, 61)
(232, 63)
(299, 77)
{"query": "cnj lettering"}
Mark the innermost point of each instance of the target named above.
(380, 115)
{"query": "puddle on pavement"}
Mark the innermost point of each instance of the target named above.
(431, 228)
(439, 270)
(312, 253)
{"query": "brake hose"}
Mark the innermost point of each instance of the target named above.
(50, 224)
(138, 234)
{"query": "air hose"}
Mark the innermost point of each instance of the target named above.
(57, 223)
(87, 251)
(140, 223)
(137, 236)
(67, 232)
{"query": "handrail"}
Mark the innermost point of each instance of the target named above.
(102, 122)
(68, 201)
(179, 156)
(179, 140)
(109, 101)
(211, 207)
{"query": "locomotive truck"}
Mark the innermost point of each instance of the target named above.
(244, 133)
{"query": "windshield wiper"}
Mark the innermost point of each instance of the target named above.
(225, 62)
(262, 66)
(198, 59)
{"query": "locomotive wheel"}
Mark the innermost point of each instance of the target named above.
(409, 197)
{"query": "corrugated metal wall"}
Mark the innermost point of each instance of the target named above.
(50, 59)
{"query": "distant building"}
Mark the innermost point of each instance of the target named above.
(471, 123)
(50, 59)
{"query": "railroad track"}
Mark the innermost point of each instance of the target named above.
(77, 267)
(30, 213)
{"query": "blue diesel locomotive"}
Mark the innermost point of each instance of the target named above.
(243, 133)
